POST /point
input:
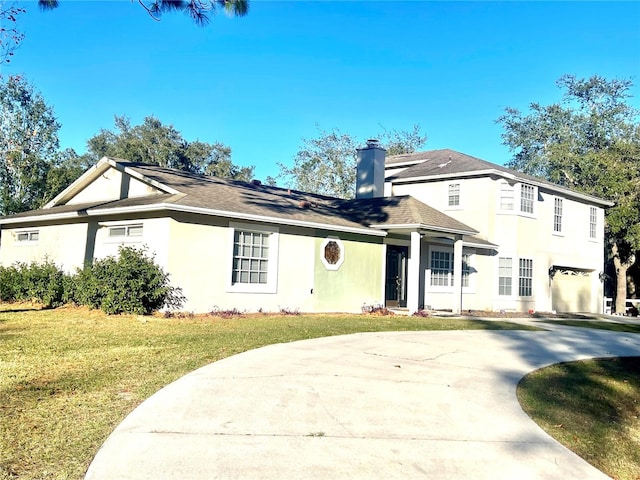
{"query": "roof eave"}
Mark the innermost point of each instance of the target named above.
(422, 226)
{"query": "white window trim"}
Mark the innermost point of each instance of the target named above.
(559, 233)
(459, 205)
(516, 198)
(326, 264)
(29, 241)
(515, 277)
(514, 260)
(518, 204)
(533, 277)
(439, 288)
(595, 237)
(122, 238)
(272, 273)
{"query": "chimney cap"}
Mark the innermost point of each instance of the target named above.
(373, 142)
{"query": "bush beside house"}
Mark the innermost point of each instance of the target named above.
(129, 283)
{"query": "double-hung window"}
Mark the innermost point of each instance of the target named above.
(253, 258)
(527, 198)
(505, 275)
(525, 277)
(557, 215)
(506, 197)
(454, 194)
(442, 269)
(593, 222)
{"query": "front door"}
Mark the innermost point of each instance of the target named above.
(396, 276)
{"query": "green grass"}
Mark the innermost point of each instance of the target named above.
(593, 408)
(69, 376)
(613, 326)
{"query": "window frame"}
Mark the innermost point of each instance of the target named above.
(453, 193)
(504, 200)
(510, 277)
(325, 262)
(532, 200)
(272, 259)
(525, 282)
(558, 206)
(30, 234)
(467, 270)
(593, 223)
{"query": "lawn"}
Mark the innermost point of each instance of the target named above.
(69, 376)
(593, 408)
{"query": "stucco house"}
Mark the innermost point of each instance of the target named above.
(422, 233)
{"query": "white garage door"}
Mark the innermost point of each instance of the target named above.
(571, 291)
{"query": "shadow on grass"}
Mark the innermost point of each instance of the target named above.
(590, 407)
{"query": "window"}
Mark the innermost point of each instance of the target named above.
(527, 195)
(125, 231)
(525, 278)
(30, 236)
(506, 196)
(593, 222)
(454, 194)
(250, 257)
(505, 275)
(332, 253)
(253, 259)
(557, 215)
(441, 268)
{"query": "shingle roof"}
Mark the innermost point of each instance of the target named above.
(446, 162)
(231, 198)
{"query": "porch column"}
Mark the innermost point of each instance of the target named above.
(413, 274)
(456, 307)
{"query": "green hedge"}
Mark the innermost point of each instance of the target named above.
(129, 283)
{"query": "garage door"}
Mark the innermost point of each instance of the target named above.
(571, 291)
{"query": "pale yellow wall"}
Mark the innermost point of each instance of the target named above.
(112, 185)
(65, 245)
(518, 236)
(199, 263)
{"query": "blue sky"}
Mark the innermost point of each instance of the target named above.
(263, 82)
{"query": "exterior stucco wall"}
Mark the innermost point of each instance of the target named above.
(63, 244)
(517, 236)
(358, 281)
(199, 262)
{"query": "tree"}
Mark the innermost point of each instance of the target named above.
(159, 144)
(10, 36)
(28, 145)
(327, 164)
(589, 142)
(198, 10)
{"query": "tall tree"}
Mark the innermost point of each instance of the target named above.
(28, 145)
(10, 36)
(590, 141)
(199, 10)
(159, 144)
(327, 164)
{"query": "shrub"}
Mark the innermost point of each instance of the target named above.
(40, 282)
(130, 283)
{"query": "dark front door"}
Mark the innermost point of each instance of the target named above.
(396, 276)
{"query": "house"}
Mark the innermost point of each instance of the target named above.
(437, 229)
(547, 242)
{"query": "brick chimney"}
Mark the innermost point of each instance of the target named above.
(370, 170)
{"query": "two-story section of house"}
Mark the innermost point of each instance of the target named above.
(544, 244)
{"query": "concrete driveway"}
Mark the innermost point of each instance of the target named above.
(437, 405)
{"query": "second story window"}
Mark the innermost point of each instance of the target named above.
(527, 197)
(557, 215)
(506, 196)
(593, 222)
(454, 194)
